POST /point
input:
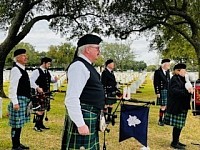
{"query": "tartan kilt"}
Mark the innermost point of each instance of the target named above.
(72, 140)
(109, 101)
(17, 118)
(163, 98)
(177, 121)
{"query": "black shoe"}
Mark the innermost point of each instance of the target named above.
(19, 148)
(177, 146)
(43, 127)
(37, 129)
(161, 123)
(181, 144)
(23, 146)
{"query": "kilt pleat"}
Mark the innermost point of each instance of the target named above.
(17, 118)
(177, 121)
(163, 98)
(72, 140)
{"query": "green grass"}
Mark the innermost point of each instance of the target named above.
(159, 138)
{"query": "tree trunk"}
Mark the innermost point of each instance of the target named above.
(198, 66)
(5, 48)
(196, 46)
(2, 63)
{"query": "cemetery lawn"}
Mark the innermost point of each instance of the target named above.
(159, 138)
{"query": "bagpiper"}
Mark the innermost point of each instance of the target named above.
(161, 86)
(40, 83)
(19, 94)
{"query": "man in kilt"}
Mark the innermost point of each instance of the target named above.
(40, 82)
(178, 104)
(161, 85)
(19, 94)
(110, 85)
(85, 97)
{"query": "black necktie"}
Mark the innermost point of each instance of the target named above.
(47, 79)
(166, 74)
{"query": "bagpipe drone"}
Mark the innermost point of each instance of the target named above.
(40, 102)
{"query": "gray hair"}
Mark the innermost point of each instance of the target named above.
(81, 50)
(15, 59)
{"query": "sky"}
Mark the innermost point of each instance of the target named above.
(41, 37)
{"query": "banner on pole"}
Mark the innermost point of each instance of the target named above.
(134, 123)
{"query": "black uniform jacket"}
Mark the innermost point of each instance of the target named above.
(178, 96)
(108, 80)
(161, 81)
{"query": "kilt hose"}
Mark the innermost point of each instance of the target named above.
(177, 121)
(163, 98)
(17, 118)
(72, 140)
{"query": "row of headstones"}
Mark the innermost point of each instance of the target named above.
(126, 77)
(133, 86)
(130, 82)
(58, 84)
(193, 76)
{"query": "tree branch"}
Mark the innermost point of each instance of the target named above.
(165, 5)
(180, 23)
(194, 26)
(175, 4)
(184, 34)
(150, 26)
(124, 34)
(18, 20)
(30, 24)
(184, 5)
(34, 3)
(181, 13)
(86, 14)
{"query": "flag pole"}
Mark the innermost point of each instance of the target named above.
(131, 100)
(113, 115)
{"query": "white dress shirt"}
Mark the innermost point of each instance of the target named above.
(15, 75)
(34, 76)
(109, 69)
(77, 75)
(164, 71)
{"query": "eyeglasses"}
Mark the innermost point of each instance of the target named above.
(98, 48)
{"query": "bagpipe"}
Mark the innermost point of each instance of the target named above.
(133, 119)
(40, 101)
